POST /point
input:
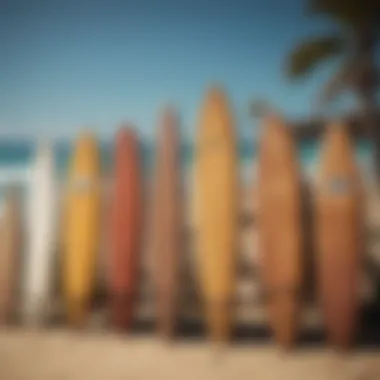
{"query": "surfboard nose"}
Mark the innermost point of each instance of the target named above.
(215, 97)
(126, 131)
(43, 145)
(215, 92)
(85, 153)
(216, 114)
(125, 135)
(275, 135)
(168, 121)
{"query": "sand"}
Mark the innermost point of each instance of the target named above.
(64, 355)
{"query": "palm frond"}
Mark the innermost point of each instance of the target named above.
(357, 74)
(351, 12)
(310, 53)
(339, 82)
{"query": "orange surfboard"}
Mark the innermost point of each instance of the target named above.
(279, 219)
(339, 236)
(10, 235)
(125, 227)
(167, 223)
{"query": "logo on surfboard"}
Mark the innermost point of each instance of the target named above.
(338, 186)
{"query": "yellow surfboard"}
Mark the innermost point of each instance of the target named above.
(216, 208)
(81, 228)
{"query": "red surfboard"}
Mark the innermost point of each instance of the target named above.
(166, 223)
(125, 226)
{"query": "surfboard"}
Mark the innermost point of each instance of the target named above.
(216, 191)
(10, 244)
(339, 236)
(81, 228)
(167, 223)
(40, 249)
(125, 228)
(280, 229)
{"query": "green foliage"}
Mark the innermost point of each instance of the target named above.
(308, 54)
(354, 13)
(355, 45)
(340, 81)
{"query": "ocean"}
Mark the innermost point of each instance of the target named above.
(16, 157)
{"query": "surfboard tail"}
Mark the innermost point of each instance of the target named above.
(6, 312)
(343, 339)
(36, 311)
(341, 321)
(284, 320)
(166, 319)
(78, 312)
(219, 320)
(121, 306)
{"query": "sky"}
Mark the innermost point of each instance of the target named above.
(68, 65)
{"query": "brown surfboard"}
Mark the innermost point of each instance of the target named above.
(167, 223)
(125, 227)
(10, 235)
(279, 219)
(339, 228)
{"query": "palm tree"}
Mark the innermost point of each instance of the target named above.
(355, 44)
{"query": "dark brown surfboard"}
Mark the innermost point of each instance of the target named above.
(279, 219)
(10, 235)
(339, 236)
(167, 224)
(125, 227)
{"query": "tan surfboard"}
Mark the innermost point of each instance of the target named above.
(279, 220)
(10, 244)
(167, 223)
(216, 189)
(339, 236)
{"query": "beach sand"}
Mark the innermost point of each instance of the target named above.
(62, 355)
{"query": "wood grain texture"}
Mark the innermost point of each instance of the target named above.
(125, 228)
(339, 236)
(81, 229)
(279, 221)
(216, 189)
(10, 245)
(167, 223)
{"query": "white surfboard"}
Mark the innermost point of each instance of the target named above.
(41, 231)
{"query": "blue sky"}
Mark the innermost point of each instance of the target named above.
(66, 65)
